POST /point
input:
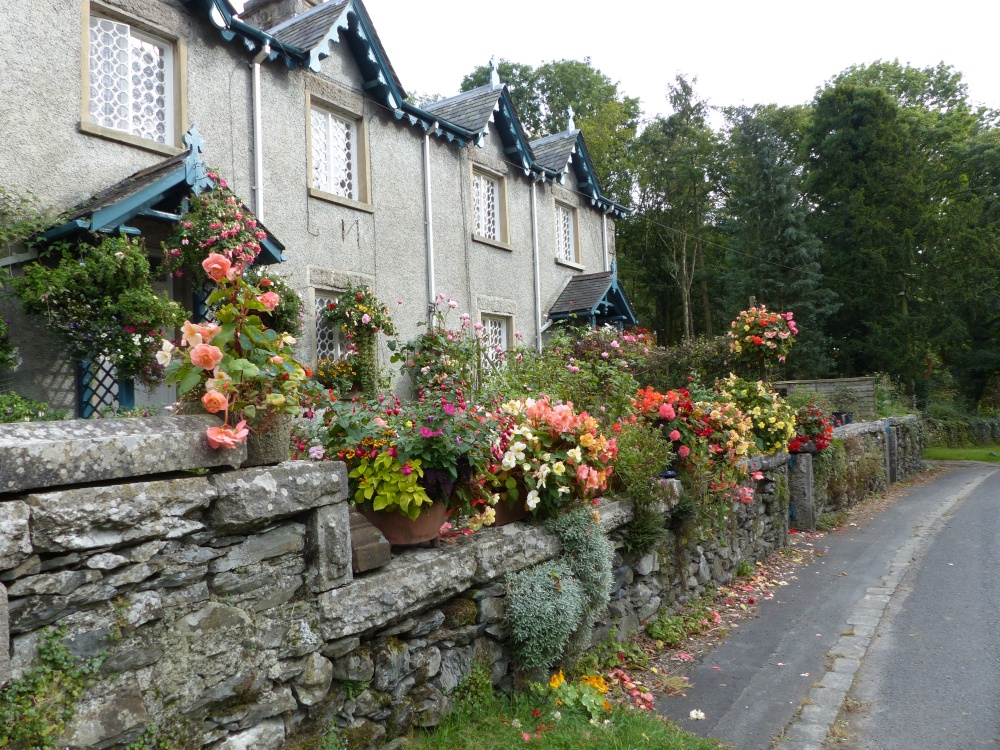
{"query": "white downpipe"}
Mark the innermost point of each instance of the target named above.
(604, 240)
(429, 221)
(258, 137)
(538, 280)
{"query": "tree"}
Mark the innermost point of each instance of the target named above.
(770, 253)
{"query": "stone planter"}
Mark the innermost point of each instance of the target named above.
(400, 530)
(271, 446)
(507, 513)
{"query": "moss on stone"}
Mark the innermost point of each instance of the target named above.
(360, 737)
(459, 612)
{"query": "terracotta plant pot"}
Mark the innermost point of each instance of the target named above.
(271, 446)
(508, 513)
(400, 530)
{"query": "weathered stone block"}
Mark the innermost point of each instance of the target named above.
(279, 541)
(50, 454)
(251, 498)
(15, 534)
(26, 568)
(91, 517)
(107, 717)
(63, 582)
(413, 581)
(313, 682)
(5, 666)
(509, 549)
(213, 616)
(369, 549)
(268, 735)
(802, 493)
(357, 666)
(328, 548)
(392, 663)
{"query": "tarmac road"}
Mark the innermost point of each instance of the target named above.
(931, 677)
(752, 685)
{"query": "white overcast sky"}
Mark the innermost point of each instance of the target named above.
(769, 51)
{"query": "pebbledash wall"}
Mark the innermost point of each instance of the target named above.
(225, 603)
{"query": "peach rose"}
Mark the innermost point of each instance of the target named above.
(206, 355)
(215, 402)
(226, 436)
(269, 300)
(218, 267)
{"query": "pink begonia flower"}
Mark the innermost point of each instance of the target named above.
(270, 300)
(218, 267)
(206, 355)
(379, 421)
(191, 334)
(317, 452)
(407, 470)
(448, 409)
(226, 436)
(214, 402)
(366, 318)
(675, 435)
(478, 326)
(683, 451)
(604, 355)
(276, 360)
(208, 331)
(666, 411)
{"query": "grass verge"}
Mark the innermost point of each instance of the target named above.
(500, 723)
(976, 453)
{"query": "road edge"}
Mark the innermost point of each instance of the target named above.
(822, 704)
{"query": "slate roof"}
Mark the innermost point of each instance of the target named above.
(470, 109)
(128, 187)
(308, 29)
(582, 293)
(553, 151)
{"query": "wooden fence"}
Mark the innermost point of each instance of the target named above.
(863, 389)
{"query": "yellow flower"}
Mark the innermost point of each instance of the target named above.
(557, 680)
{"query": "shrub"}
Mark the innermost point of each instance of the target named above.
(645, 531)
(14, 408)
(773, 420)
(545, 605)
(589, 554)
(642, 455)
(670, 368)
(288, 316)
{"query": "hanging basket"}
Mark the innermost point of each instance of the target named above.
(400, 530)
(270, 446)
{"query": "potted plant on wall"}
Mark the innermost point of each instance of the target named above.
(844, 400)
(760, 337)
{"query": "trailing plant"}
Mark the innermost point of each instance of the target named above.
(337, 375)
(287, 316)
(645, 531)
(239, 366)
(545, 606)
(216, 221)
(36, 709)
(812, 427)
(99, 301)
(589, 553)
(14, 408)
(360, 316)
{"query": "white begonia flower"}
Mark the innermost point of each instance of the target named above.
(288, 338)
(564, 490)
(526, 466)
(163, 356)
(532, 500)
(541, 474)
(576, 454)
(509, 461)
(518, 450)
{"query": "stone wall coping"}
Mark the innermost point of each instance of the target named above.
(873, 427)
(36, 455)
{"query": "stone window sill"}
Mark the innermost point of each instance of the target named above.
(322, 195)
(568, 264)
(127, 138)
(492, 243)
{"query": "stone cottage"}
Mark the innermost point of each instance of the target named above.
(297, 105)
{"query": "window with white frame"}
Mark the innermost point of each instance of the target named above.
(495, 337)
(566, 247)
(329, 342)
(486, 204)
(131, 81)
(335, 154)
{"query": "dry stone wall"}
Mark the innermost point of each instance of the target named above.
(223, 601)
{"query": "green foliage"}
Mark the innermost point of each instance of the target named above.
(642, 455)
(890, 399)
(773, 419)
(99, 301)
(9, 357)
(361, 316)
(589, 554)
(21, 217)
(288, 316)
(705, 359)
(831, 521)
(475, 691)
(847, 471)
(694, 618)
(383, 484)
(571, 369)
(611, 654)
(36, 709)
(646, 530)
(744, 569)
(545, 605)
(174, 734)
(585, 696)
(14, 408)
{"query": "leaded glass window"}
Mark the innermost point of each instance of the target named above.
(565, 235)
(328, 336)
(131, 81)
(494, 339)
(486, 203)
(334, 154)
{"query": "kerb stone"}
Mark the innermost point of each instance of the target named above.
(91, 517)
(50, 454)
(250, 498)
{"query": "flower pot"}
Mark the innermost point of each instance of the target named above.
(400, 530)
(271, 445)
(508, 513)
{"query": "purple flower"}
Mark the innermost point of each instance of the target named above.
(406, 469)
(317, 452)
